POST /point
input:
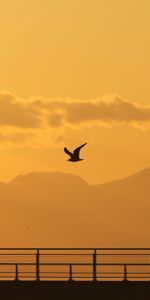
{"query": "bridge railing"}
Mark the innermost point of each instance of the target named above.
(79, 264)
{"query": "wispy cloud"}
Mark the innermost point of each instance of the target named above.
(38, 120)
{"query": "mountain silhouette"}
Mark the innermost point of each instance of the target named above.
(62, 210)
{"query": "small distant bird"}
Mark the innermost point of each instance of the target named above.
(74, 157)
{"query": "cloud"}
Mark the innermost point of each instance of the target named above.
(17, 113)
(112, 109)
(39, 112)
(42, 121)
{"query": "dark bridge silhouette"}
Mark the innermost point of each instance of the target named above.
(75, 273)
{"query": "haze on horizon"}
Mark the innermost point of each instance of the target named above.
(75, 71)
(62, 210)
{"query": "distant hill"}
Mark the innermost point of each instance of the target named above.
(62, 210)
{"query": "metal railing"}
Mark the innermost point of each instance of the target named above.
(75, 264)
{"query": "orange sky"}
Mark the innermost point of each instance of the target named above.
(74, 72)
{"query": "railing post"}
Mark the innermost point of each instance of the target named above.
(94, 265)
(38, 265)
(125, 272)
(17, 272)
(70, 272)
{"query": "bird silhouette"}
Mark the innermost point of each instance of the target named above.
(74, 157)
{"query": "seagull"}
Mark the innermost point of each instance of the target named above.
(74, 157)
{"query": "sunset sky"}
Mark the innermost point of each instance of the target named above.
(74, 72)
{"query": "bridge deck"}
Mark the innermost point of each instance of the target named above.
(74, 290)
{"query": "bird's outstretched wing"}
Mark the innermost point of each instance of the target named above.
(67, 151)
(77, 150)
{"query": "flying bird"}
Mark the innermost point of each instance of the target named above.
(74, 157)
